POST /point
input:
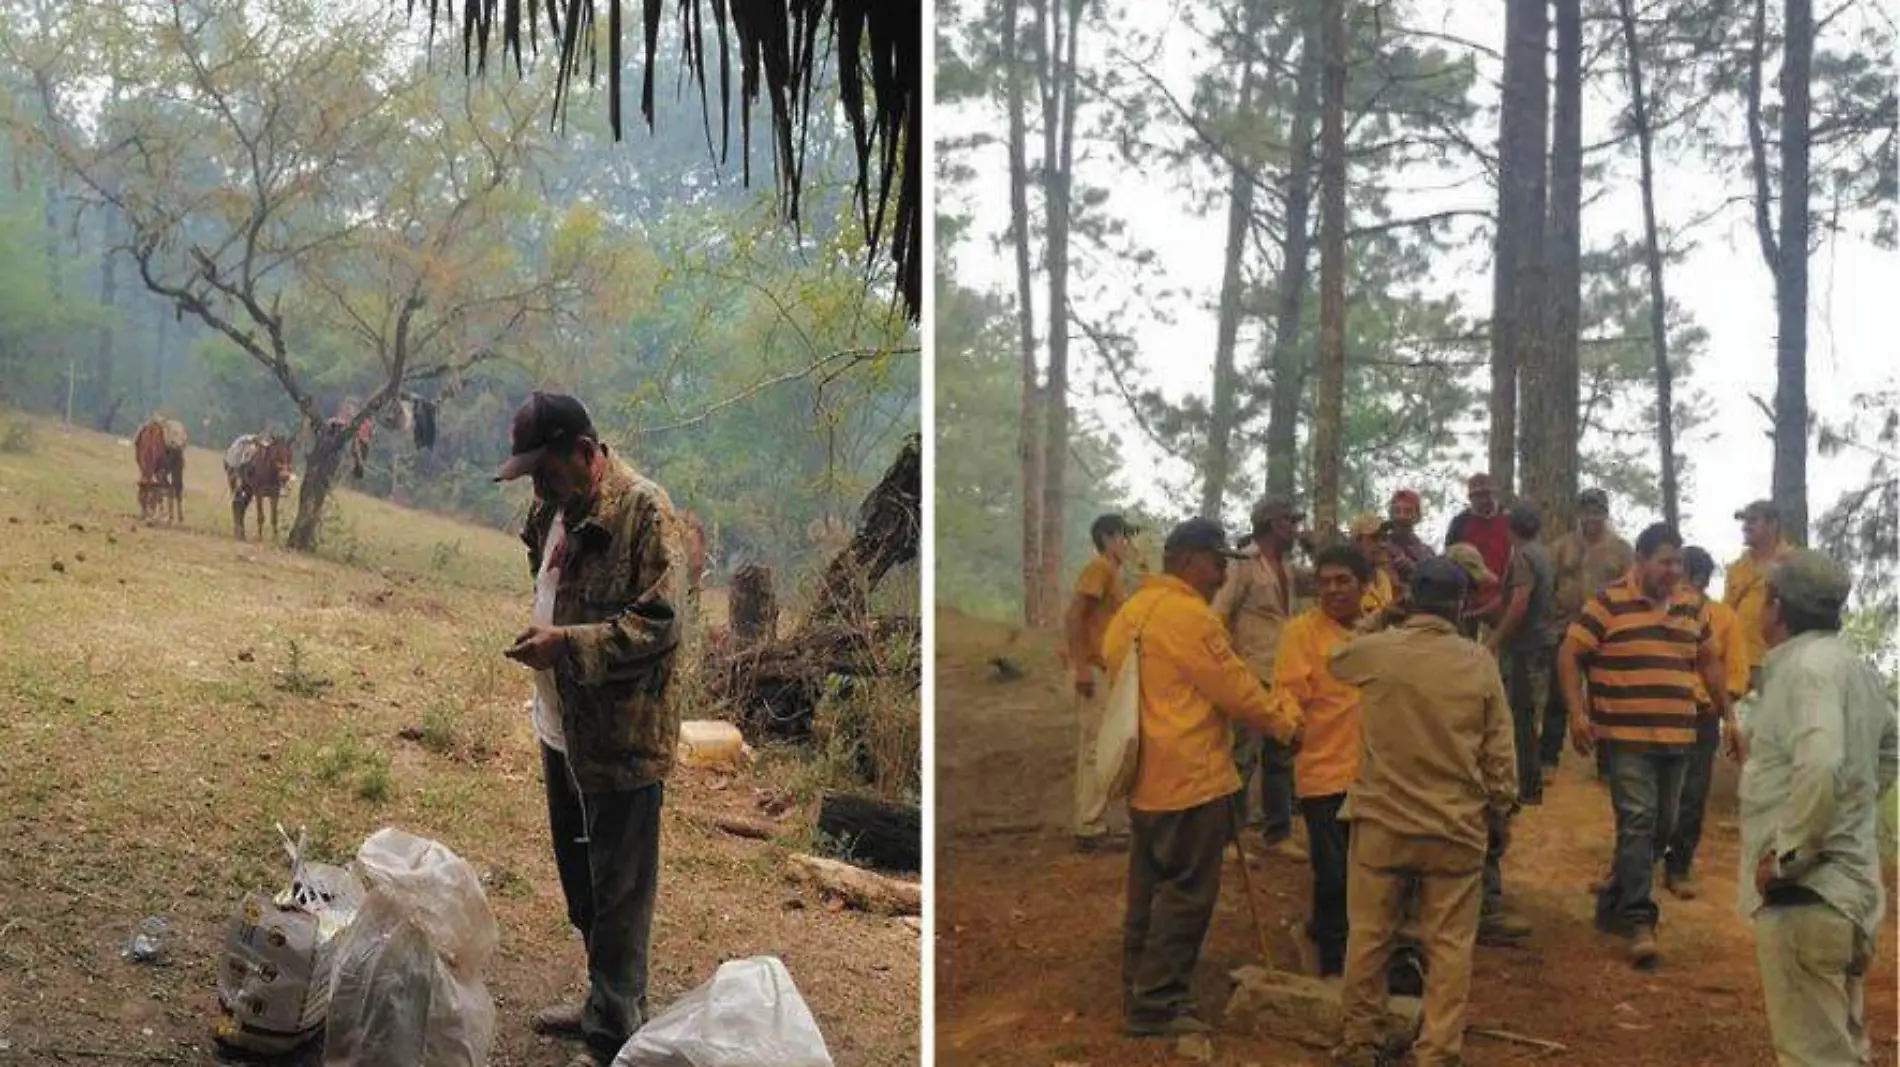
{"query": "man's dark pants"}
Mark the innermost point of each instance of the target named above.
(1276, 789)
(1174, 862)
(1527, 675)
(1645, 788)
(607, 849)
(1680, 857)
(1327, 847)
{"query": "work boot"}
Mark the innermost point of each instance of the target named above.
(586, 1059)
(1644, 955)
(1682, 886)
(1178, 1026)
(1502, 928)
(559, 1020)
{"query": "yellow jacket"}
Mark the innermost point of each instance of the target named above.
(1192, 685)
(1327, 708)
(1745, 588)
(1725, 629)
(1379, 593)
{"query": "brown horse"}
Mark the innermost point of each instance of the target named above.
(159, 447)
(257, 468)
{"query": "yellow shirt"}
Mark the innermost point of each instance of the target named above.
(1725, 636)
(1379, 593)
(1307, 692)
(1745, 588)
(1101, 583)
(1192, 685)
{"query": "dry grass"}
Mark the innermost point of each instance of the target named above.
(169, 694)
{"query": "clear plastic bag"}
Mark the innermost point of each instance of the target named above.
(749, 1015)
(406, 989)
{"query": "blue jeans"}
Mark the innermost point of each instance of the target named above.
(1261, 758)
(1681, 844)
(1645, 789)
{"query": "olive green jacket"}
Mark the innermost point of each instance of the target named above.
(617, 603)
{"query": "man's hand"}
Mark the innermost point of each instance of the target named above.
(1581, 738)
(1085, 684)
(1734, 745)
(538, 647)
(1765, 870)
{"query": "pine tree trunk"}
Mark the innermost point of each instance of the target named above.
(1059, 102)
(1288, 378)
(327, 447)
(1332, 277)
(1555, 485)
(1220, 429)
(1517, 291)
(1029, 431)
(1652, 256)
(103, 406)
(1791, 297)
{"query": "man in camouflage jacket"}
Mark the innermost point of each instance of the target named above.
(602, 546)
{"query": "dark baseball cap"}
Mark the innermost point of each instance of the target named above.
(1272, 508)
(542, 421)
(1439, 581)
(1594, 498)
(1199, 535)
(1760, 509)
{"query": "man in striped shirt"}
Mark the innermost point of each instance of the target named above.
(1641, 643)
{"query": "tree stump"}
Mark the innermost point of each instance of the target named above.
(888, 836)
(752, 606)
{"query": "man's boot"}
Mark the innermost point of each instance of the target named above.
(1682, 886)
(559, 1020)
(1502, 928)
(1644, 955)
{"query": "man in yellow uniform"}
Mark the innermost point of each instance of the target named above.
(1328, 712)
(1098, 595)
(1725, 632)
(1437, 769)
(1745, 583)
(1369, 534)
(1193, 689)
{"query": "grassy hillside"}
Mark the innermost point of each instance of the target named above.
(168, 694)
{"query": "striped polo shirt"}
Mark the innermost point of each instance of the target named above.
(1639, 657)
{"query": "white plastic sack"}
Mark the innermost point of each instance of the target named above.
(1118, 743)
(749, 1015)
(406, 989)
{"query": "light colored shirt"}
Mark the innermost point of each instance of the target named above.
(1192, 688)
(1255, 605)
(1436, 748)
(547, 698)
(1822, 749)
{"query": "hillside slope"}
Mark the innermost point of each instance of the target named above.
(168, 694)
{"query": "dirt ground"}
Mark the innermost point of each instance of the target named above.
(1028, 932)
(168, 694)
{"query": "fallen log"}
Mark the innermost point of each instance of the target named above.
(857, 887)
(747, 828)
(889, 521)
(774, 687)
(887, 836)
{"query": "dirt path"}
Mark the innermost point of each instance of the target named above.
(1029, 932)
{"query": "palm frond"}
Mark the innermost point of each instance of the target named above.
(779, 44)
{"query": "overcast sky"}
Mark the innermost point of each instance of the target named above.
(1722, 283)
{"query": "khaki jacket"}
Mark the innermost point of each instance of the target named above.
(1436, 751)
(1255, 608)
(619, 587)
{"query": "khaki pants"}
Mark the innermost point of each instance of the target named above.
(1447, 877)
(1088, 724)
(1813, 969)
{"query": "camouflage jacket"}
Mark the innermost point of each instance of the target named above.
(619, 587)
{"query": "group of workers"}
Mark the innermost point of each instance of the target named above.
(1411, 703)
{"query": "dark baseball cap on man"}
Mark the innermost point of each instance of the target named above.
(1760, 509)
(542, 421)
(1199, 535)
(1270, 509)
(1594, 498)
(1439, 582)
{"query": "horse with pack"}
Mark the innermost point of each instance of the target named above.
(258, 468)
(159, 447)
